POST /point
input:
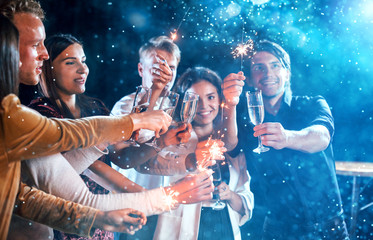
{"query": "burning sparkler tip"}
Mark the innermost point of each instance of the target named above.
(173, 36)
(170, 199)
(243, 49)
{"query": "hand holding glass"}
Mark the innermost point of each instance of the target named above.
(256, 114)
(140, 104)
(168, 104)
(188, 108)
(218, 204)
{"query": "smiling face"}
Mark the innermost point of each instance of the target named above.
(70, 70)
(208, 103)
(31, 47)
(268, 75)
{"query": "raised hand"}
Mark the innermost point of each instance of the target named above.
(311, 139)
(192, 188)
(232, 88)
(161, 72)
(125, 220)
(208, 151)
(176, 134)
(272, 134)
(157, 121)
(224, 192)
(232, 198)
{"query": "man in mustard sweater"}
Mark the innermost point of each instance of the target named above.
(25, 134)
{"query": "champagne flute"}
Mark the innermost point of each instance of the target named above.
(168, 104)
(140, 104)
(256, 114)
(188, 109)
(218, 204)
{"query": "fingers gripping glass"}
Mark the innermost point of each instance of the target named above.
(140, 104)
(218, 204)
(168, 102)
(188, 109)
(256, 114)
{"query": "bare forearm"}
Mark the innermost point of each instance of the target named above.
(230, 127)
(237, 204)
(110, 179)
(131, 157)
(312, 139)
(156, 92)
(167, 164)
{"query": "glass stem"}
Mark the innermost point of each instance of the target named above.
(218, 201)
(260, 145)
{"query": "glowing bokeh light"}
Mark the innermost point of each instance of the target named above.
(329, 42)
(233, 9)
(367, 9)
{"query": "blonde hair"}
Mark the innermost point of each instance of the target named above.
(159, 43)
(11, 7)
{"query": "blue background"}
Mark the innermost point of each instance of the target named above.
(329, 42)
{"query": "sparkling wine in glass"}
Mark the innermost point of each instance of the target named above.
(216, 178)
(168, 104)
(140, 104)
(256, 114)
(188, 109)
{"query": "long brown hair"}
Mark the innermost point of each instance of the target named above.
(9, 57)
(195, 75)
(55, 45)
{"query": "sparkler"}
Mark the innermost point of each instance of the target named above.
(170, 199)
(214, 152)
(222, 106)
(174, 33)
(243, 48)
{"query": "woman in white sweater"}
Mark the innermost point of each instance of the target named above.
(54, 174)
(200, 220)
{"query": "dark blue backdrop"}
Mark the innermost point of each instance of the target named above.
(329, 41)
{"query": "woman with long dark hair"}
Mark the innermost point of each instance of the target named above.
(202, 220)
(64, 83)
(25, 134)
(9, 59)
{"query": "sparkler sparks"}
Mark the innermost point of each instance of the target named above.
(174, 33)
(243, 49)
(170, 199)
(214, 152)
